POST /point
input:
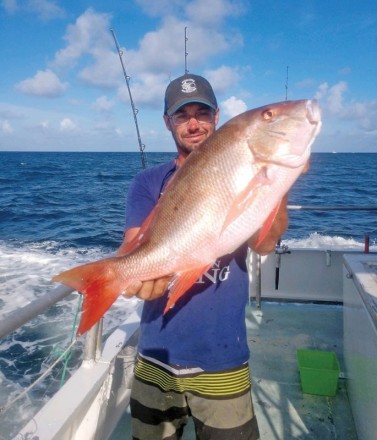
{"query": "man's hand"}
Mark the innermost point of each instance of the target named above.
(146, 290)
(278, 228)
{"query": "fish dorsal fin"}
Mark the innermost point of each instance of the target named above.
(141, 236)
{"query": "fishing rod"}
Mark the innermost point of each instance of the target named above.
(186, 53)
(134, 109)
(286, 86)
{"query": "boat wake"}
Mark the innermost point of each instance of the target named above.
(25, 271)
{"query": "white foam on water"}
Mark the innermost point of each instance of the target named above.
(25, 271)
(326, 242)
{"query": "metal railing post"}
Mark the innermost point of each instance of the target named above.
(93, 341)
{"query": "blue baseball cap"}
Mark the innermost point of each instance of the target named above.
(188, 88)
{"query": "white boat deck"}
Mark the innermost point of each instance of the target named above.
(275, 332)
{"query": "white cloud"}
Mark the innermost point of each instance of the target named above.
(11, 6)
(103, 104)
(209, 12)
(86, 35)
(233, 106)
(213, 12)
(223, 78)
(46, 10)
(332, 97)
(363, 114)
(43, 9)
(146, 89)
(5, 127)
(90, 35)
(160, 8)
(44, 83)
(159, 56)
(335, 97)
(67, 125)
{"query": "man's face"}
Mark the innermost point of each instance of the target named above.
(189, 135)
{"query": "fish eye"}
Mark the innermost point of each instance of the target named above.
(268, 114)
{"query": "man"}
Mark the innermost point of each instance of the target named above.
(193, 360)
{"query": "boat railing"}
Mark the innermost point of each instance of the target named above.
(16, 319)
(331, 208)
(256, 261)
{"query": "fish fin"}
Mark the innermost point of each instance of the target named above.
(140, 237)
(100, 286)
(244, 199)
(182, 282)
(267, 225)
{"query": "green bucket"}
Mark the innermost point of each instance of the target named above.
(319, 372)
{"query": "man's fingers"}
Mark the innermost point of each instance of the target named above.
(133, 289)
(147, 290)
(160, 287)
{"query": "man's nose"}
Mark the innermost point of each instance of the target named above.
(192, 123)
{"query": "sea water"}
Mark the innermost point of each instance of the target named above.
(58, 210)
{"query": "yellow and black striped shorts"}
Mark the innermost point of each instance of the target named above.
(219, 403)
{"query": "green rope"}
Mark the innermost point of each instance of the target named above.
(68, 354)
(73, 332)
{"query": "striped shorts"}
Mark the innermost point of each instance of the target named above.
(219, 403)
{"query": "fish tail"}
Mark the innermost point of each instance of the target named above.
(100, 284)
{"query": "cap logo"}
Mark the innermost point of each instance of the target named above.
(188, 86)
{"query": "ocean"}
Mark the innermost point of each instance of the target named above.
(58, 210)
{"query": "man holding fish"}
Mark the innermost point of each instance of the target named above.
(193, 360)
(188, 227)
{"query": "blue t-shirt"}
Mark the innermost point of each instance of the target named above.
(206, 327)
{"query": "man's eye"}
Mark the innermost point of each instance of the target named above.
(182, 117)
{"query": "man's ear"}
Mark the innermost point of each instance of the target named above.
(217, 116)
(167, 122)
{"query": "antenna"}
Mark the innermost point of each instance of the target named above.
(135, 111)
(286, 85)
(186, 53)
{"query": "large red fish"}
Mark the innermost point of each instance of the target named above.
(225, 192)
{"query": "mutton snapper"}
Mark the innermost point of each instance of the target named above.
(225, 192)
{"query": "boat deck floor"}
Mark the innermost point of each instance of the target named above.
(283, 411)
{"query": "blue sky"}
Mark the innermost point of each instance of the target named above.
(63, 89)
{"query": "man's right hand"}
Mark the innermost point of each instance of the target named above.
(147, 290)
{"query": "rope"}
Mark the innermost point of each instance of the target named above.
(69, 354)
